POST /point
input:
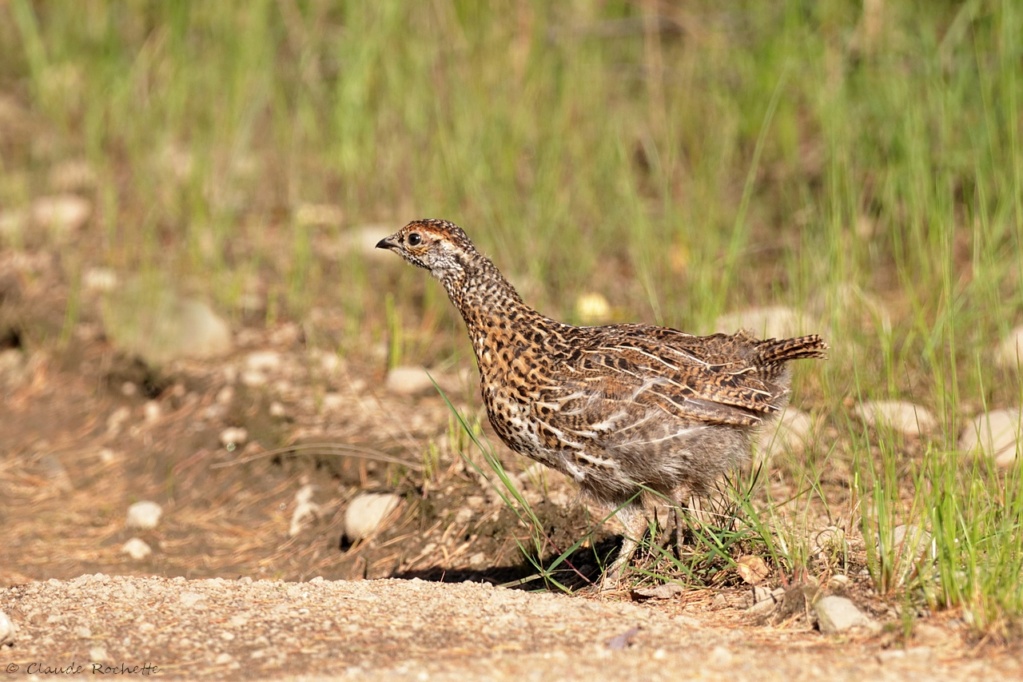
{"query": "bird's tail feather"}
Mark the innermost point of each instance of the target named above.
(775, 351)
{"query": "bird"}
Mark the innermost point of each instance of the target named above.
(625, 410)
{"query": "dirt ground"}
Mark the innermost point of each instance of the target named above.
(86, 430)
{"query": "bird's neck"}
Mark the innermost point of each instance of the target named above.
(484, 297)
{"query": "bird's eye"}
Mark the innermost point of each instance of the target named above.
(415, 239)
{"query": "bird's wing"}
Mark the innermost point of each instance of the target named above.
(692, 379)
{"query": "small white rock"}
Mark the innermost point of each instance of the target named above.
(770, 322)
(367, 512)
(233, 436)
(98, 654)
(838, 614)
(1009, 354)
(151, 411)
(144, 515)
(8, 630)
(409, 381)
(897, 415)
(137, 549)
(995, 434)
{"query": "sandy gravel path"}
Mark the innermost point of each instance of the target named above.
(414, 630)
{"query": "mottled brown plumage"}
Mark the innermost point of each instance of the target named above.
(618, 408)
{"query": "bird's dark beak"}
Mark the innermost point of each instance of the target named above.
(388, 243)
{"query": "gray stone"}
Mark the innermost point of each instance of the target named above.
(898, 415)
(838, 614)
(367, 512)
(160, 326)
(144, 515)
(994, 434)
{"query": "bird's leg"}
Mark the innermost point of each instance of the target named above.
(635, 523)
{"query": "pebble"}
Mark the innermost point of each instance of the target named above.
(768, 322)
(995, 434)
(898, 415)
(1009, 354)
(409, 381)
(766, 600)
(838, 614)
(233, 436)
(662, 591)
(137, 549)
(367, 512)
(7, 630)
(151, 411)
(144, 515)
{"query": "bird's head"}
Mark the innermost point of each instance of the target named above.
(437, 245)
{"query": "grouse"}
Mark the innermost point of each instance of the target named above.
(622, 409)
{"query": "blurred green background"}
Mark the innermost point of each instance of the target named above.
(683, 159)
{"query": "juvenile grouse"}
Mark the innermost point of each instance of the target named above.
(618, 408)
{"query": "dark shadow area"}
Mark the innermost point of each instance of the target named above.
(578, 571)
